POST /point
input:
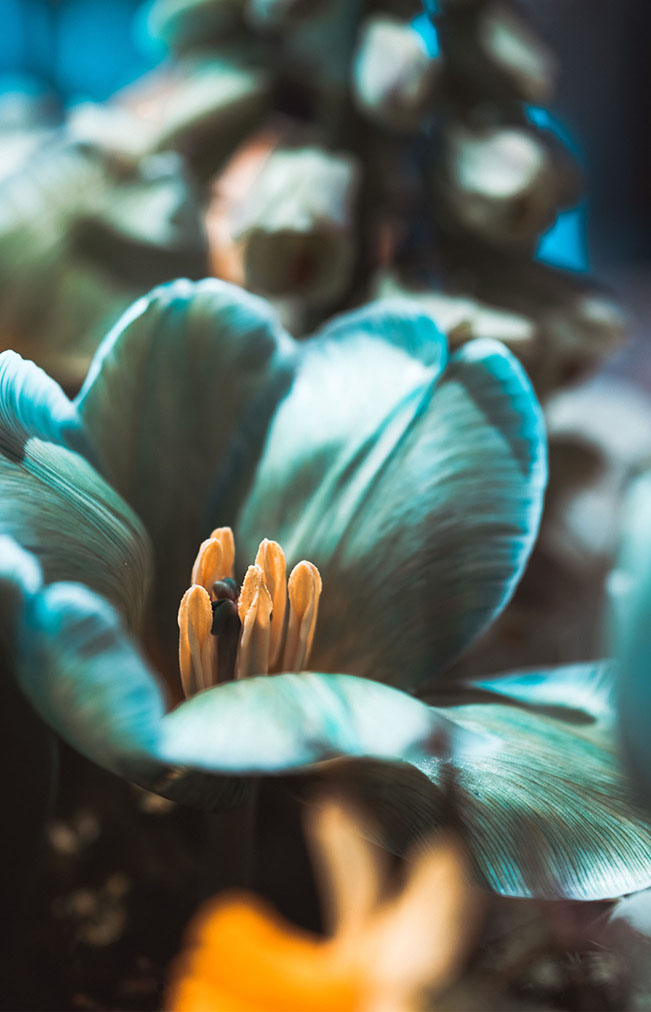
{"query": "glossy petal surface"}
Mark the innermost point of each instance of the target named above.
(53, 502)
(177, 405)
(552, 812)
(414, 485)
(548, 811)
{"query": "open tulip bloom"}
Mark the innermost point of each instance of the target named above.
(400, 489)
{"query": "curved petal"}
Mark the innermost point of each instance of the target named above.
(549, 813)
(32, 404)
(415, 487)
(580, 693)
(552, 812)
(53, 502)
(630, 589)
(88, 681)
(177, 404)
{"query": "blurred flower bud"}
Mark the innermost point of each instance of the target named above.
(27, 117)
(578, 322)
(296, 225)
(111, 128)
(609, 422)
(491, 50)
(201, 107)
(499, 183)
(462, 318)
(269, 14)
(228, 194)
(514, 50)
(394, 78)
(184, 24)
(82, 234)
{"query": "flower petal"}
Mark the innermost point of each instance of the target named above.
(176, 405)
(89, 682)
(548, 813)
(32, 404)
(281, 722)
(583, 693)
(52, 500)
(415, 488)
(552, 812)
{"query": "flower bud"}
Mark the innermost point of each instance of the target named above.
(500, 183)
(395, 79)
(296, 225)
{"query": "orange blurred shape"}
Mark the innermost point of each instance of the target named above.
(244, 958)
(386, 950)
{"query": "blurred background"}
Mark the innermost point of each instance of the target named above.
(79, 50)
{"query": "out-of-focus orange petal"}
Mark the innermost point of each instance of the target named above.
(243, 958)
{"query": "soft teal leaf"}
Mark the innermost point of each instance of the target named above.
(415, 487)
(177, 405)
(53, 502)
(89, 682)
(630, 588)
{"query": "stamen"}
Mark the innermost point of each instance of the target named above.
(254, 609)
(197, 653)
(304, 592)
(230, 633)
(271, 560)
(225, 537)
(208, 566)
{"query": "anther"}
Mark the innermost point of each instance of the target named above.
(209, 564)
(197, 653)
(215, 559)
(225, 537)
(254, 608)
(271, 560)
(304, 592)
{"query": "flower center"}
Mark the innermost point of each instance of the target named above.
(228, 632)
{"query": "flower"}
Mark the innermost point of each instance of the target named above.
(381, 953)
(412, 480)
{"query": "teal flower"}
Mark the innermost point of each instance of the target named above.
(412, 479)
